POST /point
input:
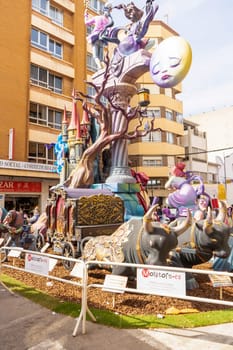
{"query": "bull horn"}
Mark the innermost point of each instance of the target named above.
(222, 212)
(183, 226)
(147, 218)
(208, 223)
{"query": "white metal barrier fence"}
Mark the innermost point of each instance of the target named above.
(113, 287)
(82, 282)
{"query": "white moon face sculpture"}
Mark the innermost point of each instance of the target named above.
(170, 62)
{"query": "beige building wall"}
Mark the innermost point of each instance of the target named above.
(218, 126)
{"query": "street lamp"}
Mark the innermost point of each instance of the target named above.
(225, 171)
(144, 97)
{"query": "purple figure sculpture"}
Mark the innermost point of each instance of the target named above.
(185, 195)
(105, 32)
(135, 35)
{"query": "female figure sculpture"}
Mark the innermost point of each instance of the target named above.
(100, 32)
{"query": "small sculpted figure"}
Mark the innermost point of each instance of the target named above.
(35, 216)
(137, 29)
(131, 12)
(13, 223)
(41, 225)
(3, 213)
(142, 179)
(202, 203)
(178, 170)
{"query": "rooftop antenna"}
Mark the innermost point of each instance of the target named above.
(166, 17)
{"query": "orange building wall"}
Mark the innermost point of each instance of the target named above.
(80, 48)
(14, 43)
(15, 69)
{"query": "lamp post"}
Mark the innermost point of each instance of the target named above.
(225, 171)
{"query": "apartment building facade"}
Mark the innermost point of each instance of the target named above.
(43, 57)
(195, 143)
(217, 124)
(196, 158)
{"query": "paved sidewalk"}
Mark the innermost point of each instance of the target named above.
(25, 325)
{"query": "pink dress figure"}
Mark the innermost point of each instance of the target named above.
(100, 24)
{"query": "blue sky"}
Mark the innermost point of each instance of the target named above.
(208, 27)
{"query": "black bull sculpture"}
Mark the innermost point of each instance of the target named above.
(203, 240)
(138, 241)
(144, 241)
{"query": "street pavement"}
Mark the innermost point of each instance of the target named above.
(25, 325)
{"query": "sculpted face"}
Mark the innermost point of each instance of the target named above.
(170, 62)
(203, 203)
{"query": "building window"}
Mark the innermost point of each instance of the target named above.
(56, 15)
(101, 6)
(152, 162)
(179, 118)
(154, 182)
(40, 153)
(55, 83)
(54, 119)
(89, 29)
(153, 113)
(153, 136)
(44, 7)
(169, 137)
(39, 39)
(91, 63)
(40, 6)
(39, 76)
(42, 77)
(43, 42)
(37, 114)
(153, 88)
(96, 5)
(168, 92)
(43, 115)
(55, 48)
(100, 50)
(91, 92)
(169, 115)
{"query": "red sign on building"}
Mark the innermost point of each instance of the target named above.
(20, 186)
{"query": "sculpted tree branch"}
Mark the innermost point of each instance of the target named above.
(83, 174)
